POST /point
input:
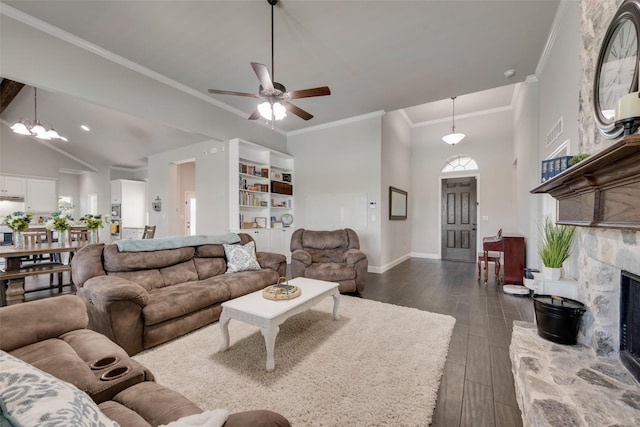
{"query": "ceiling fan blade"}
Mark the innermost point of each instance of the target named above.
(308, 93)
(262, 72)
(255, 115)
(297, 110)
(230, 92)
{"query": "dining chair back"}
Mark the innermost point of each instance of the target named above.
(149, 232)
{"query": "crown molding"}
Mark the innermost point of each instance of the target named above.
(464, 116)
(341, 122)
(553, 34)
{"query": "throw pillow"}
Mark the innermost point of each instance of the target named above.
(35, 398)
(241, 257)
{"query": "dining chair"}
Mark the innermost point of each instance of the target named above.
(149, 232)
(81, 235)
(32, 238)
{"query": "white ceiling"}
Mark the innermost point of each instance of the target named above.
(374, 55)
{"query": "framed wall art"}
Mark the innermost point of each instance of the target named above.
(397, 203)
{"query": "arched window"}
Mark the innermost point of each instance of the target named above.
(458, 163)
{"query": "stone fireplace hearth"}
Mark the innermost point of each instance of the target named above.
(563, 385)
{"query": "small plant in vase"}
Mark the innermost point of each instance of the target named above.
(18, 222)
(555, 247)
(93, 222)
(60, 222)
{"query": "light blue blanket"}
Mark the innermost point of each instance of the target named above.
(173, 242)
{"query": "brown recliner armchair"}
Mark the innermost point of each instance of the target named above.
(334, 256)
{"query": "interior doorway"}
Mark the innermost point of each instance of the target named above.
(190, 213)
(459, 219)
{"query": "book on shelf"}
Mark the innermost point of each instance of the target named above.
(254, 170)
(281, 188)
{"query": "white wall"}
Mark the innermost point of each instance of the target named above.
(489, 141)
(342, 159)
(211, 177)
(559, 82)
(539, 104)
(396, 172)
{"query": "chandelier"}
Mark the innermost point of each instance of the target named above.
(35, 128)
(453, 138)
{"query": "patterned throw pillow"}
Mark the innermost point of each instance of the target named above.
(34, 398)
(241, 258)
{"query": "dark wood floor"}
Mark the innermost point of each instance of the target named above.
(477, 387)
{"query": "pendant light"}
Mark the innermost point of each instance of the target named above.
(453, 138)
(35, 128)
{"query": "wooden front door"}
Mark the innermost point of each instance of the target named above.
(459, 219)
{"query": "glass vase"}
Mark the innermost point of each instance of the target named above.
(63, 238)
(18, 240)
(93, 236)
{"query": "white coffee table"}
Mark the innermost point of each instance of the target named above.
(266, 314)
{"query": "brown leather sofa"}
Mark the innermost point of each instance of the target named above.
(142, 299)
(51, 335)
(334, 256)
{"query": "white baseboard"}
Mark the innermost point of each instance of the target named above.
(388, 266)
(422, 255)
(381, 269)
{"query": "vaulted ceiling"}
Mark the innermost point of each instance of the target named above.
(374, 55)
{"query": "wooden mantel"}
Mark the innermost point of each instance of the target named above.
(603, 190)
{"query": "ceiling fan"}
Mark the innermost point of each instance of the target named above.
(275, 95)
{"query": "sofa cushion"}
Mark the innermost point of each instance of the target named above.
(209, 267)
(148, 279)
(210, 251)
(158, 405)
(22, 324)
(133, 261)
(179, 273)
(183, 298)
(35, 398)
(243, 283)
(241, 257)
(326, 255)
(331, 272)
(325, 239)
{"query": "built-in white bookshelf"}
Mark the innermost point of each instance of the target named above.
(260, 186)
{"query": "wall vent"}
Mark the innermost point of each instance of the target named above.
(555, 131)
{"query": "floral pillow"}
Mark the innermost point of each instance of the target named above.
(31, 397)
(241, 257)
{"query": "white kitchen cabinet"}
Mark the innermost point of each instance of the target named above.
(41, 195)
(131, 195)
(116, 192)
(13, 186)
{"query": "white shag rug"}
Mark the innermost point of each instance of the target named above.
(380, 364)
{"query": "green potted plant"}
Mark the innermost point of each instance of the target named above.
(555, 247)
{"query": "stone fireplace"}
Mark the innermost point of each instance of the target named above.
(630, 323)
(586, 384)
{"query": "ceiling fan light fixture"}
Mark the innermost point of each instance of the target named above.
(279, 112)
(453, 138)
(272, 111)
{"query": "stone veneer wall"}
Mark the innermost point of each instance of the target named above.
(602, 253)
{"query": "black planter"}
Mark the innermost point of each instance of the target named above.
(558, 318)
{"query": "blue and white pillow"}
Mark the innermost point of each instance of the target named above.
(241, 257)
(31, 397)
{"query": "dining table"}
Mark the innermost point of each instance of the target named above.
(12, 277)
